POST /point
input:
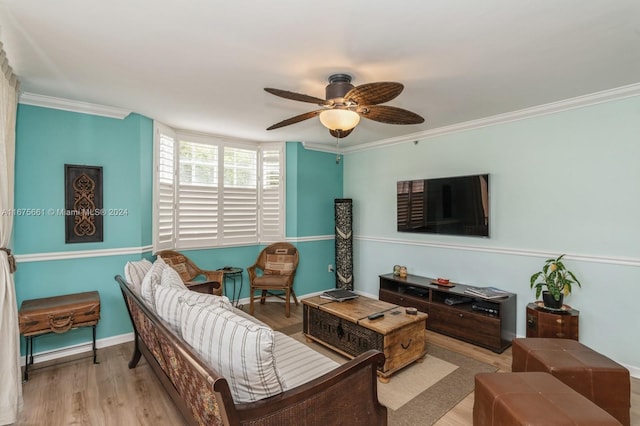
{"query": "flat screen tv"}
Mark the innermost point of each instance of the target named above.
(452, 205)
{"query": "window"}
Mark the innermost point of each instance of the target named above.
(212, 192)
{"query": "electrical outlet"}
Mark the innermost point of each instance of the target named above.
(330, 268)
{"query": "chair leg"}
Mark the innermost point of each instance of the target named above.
(295, 299)
(287, 308)
(251, 293)
(264, 296)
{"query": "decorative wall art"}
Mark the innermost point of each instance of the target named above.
(83, 204)
(344, 243)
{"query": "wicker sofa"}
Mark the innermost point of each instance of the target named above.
(341, 394)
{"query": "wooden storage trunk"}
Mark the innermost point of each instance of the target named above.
(342, 334)
(59, 314)
(400, 337)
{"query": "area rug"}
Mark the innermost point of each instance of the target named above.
(422, 392)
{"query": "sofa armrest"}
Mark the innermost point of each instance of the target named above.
(350, 389)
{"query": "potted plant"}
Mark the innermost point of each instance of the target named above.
(557, 279)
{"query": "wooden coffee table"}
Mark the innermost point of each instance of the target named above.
(345, 328)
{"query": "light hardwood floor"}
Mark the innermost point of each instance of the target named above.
(74, 391)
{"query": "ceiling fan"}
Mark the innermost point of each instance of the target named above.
(345, 104)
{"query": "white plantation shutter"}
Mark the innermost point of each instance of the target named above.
(197, 206)
(272, 197)
(212, 192)
(240, 194)
(164, 188)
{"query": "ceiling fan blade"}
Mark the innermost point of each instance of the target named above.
(389, 114)
(340, 133)
(294, 120)
(374, 93)
(297, 96)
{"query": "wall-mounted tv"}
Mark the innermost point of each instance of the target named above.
(452, 205)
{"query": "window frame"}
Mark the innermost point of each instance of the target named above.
(268, 229)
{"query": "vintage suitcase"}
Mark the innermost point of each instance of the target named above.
(59, 314)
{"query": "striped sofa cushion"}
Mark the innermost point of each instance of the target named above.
(169, 308)
(298, 363)
(151, 280)
(134, 273)
(239, 349)
(171, 278)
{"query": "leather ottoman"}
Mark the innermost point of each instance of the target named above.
(588, 372)
(532, 399)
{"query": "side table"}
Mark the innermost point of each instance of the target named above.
(57, 314)
(233, 273)
(545, 322)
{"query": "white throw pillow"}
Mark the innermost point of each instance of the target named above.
(239, 349)
(169, 308)
(151, 280)
(134, 273)
(170, 277)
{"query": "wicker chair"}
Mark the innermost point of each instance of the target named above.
(189, 271)
(274, 271)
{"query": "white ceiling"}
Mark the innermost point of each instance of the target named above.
(202, 65)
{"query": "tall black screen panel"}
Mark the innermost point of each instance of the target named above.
(453, 205)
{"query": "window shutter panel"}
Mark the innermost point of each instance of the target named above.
(164, 189)
(198, 195)
(272, 201)
(240, 195)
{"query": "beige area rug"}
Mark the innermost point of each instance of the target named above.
(420, 393)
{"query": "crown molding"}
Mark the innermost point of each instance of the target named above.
(27, 98)
(331, 149)
(522, 114)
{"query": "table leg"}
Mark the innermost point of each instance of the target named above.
(28, 344)
(94, 345)
(240, 291)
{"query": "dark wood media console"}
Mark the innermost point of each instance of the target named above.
(492, 330)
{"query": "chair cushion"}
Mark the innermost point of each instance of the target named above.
(134, 273)
(271, 281)
(239, 349)
(150, 281)
(279, 263)
(169, 308)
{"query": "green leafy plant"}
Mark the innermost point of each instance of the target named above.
(556, 277)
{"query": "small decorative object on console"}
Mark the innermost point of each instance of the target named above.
(403, 272)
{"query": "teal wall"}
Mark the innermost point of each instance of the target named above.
(47, 139)
(314, 181)
(565, 182)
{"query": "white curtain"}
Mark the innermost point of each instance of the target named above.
(11, 386)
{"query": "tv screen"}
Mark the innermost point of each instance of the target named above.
(452, 205)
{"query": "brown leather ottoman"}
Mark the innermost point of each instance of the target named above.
(588, 372)
(532, 399)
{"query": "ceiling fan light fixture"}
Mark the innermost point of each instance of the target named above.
(339, 119)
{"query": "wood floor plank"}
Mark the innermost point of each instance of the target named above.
(74, 391)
